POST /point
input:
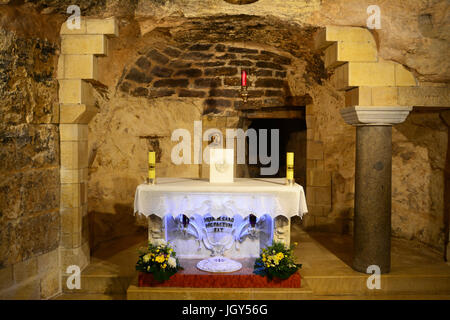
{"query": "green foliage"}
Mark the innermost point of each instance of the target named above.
(276, 261)
(159, 260)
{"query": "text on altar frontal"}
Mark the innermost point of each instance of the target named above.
(218, 224)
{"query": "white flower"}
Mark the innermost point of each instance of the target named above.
(159, 242)
(172, 262)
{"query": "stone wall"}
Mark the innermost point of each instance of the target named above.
(29, 158)
(173, 43)
(419, 156)
(209, 71)
(163, 82)
(137, 114)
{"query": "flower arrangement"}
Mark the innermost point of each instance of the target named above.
(276, 261)
(160, 260)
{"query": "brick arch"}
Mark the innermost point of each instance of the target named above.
(211, 72)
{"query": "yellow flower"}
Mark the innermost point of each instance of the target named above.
(146, 258)
(160, 259)
(164, 266)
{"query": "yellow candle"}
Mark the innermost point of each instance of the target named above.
(290, 165)
(151, 164)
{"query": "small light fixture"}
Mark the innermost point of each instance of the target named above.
(244, 92)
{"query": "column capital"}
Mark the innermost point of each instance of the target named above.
(375, 116)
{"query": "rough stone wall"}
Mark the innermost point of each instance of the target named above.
(209, 71)
(419, 152)
(414, 33)
(330, 154)
(161, 83)
(29, 160)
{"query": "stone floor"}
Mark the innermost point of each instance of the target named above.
(417, 272)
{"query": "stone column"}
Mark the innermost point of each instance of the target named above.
(372, 219)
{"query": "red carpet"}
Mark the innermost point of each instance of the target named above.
(191, 277)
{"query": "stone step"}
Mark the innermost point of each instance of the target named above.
(166, 293)
(100, 284)
(390, 285)
(90, 296)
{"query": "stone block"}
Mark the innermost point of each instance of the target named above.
(314, 150)
(318, 178)
(384, 96)
(73, 175)
(66, 31)
(319, 195)
(71, 219)
(344, 51)
(75, 92)
(79, 113)
(73, 195)
(319, 210)
(82, 66)
(71, 240)
(50, 284)
(369, 74)
(74, 154)
(48, 262)
(77, 256)
(60, 68)
(326, 36)
(25, 270)
(28, 290)
(84, 44)
(73, 132)
(371, 96)
(108, 27)
(339, 79)
(361, 96)
(424, 96)
(404, 78)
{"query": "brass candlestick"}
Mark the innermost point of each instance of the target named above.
(244, 93)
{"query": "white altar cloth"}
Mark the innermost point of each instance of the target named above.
(174, 196)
